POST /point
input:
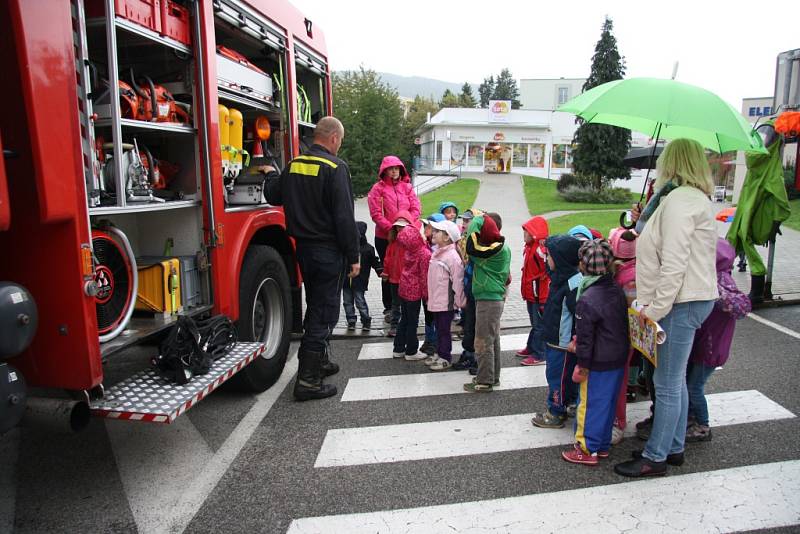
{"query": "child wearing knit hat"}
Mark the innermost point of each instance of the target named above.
(601, 329)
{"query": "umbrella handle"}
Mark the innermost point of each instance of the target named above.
(622, 223)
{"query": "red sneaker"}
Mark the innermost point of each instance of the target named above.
(524, 352)
(602, 454)
(532, 360)
(576, 456)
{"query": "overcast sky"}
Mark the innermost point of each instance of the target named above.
(726, 47)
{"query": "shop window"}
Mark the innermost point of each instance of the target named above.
(438, 153)
(559, 158)
(475, 155)
(497, 157)
(458, 153)
(536, 156)
(520, 155)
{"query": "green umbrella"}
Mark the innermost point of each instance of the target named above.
(667, 109)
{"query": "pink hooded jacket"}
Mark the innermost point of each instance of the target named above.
(446, 280)
(417, 256)
(385, 198)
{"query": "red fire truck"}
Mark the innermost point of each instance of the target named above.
(133, 133)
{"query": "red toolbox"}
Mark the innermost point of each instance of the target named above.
(175, 22)
(145, 13)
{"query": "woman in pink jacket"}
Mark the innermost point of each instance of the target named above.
(445, 290)
(391, 194)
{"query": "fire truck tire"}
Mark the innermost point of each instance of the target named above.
(265, 312)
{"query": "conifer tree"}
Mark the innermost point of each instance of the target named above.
(599, 149)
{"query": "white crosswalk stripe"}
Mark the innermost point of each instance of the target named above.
(432, 383)
(726, 500)
(461, 437)
(382, 351)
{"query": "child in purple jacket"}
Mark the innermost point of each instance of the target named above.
(712, 342)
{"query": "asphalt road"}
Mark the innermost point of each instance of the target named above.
(245, 463)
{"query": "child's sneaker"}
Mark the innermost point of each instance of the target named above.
(495, 383)
(428, 348)
(548, 420)
(571, 410)
(697, 433)
(576, 456)
(472, 387)
(351, 326)
(532, 360)
(400, 354)
(440, 365)
(430, 360)
(616, 435)
(415, 357)
(464, 362)
(524, 352)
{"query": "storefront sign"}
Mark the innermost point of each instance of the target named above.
(499, 110)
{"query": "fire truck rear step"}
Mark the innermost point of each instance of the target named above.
(148, 397)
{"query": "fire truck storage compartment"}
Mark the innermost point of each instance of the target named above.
(311, 72)
(165, 132)
(161, 235)
(251, 69)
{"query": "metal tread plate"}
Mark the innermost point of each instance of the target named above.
(147, 397)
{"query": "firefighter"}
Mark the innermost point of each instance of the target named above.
(317, 197)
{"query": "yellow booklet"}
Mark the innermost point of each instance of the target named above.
(647, 339)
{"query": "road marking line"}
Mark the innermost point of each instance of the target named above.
(431, 383)
(383, 351)
(726, 500)
(483, 435)
(209, 476)
(155, 464)
(168, 471)
(776, 326)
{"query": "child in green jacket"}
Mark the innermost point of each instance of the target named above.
(491, 257)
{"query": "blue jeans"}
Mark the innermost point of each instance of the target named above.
(672, 397)
(406, 339)
(561, 390)
(535, 342)
(354, 298)
(430, 325)
(696, 377)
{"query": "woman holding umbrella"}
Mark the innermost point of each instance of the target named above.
(676, 284)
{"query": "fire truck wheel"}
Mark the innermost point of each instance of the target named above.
(265, 311)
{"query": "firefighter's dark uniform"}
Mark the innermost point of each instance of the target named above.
(316, 193)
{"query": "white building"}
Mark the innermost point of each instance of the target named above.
(524, 141)
(548, 94)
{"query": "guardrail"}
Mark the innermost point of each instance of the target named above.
(427, 178)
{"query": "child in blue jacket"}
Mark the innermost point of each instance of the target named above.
(558, 329)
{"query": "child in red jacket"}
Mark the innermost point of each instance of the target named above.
(535, 286)
(393, 267)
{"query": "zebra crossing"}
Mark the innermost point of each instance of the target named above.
(727, 499)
